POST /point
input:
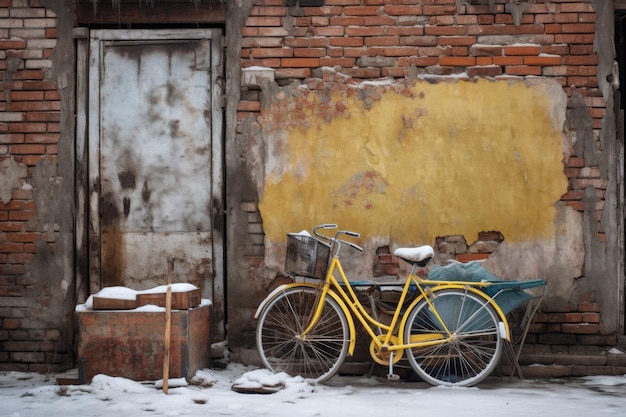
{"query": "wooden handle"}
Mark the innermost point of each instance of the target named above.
(168, 323)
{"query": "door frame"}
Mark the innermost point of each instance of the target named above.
(87, 228)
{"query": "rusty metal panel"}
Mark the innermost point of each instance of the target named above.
(155, 155)
(139, 260)
(154, 139)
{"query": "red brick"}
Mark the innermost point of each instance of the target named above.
(309, 52)
(574, 39)
(445, 30)
(27, 95)
(21, 258)
(300, 62)
(591, 317)
(447, 9)
(395, 51)
(329, 31)
(581, 60)
(342, 62)
(456, 61)
(484, 71)
(523, 70)
(457, 51)
(263, 21)
(580, 328)
(486, 30)
(364, 31)
(12, 44)
(576, 7)
(457, 40)
(12, 138)
(581, 49)
(379, 21)
(589, 307)
(268, 11)
(361, 10)
(253, 106)
(486, 50)
(381, 41)
(413, 31)
(522, 50)
(24, 215)
(27, 149)
(347, 20)
(508, 60)
(27, 127)
(484, 61)
(11, 247)
(400, 10)
(542, 60)
(566, 17)
(347, 41)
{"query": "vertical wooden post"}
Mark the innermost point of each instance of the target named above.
(168, 324)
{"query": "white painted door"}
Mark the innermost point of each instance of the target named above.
(155, 159)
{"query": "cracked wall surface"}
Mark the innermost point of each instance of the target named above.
(405, 162)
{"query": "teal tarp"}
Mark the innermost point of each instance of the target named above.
(512, 296)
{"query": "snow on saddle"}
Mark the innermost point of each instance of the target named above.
(419, 256)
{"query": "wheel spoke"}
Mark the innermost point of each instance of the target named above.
(282, 346)
(474, 346)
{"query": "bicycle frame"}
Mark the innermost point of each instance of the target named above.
(351, 301)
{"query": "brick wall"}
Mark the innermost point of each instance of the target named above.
(368, 39)
(377, 38)
(29, 132)
(365, 39)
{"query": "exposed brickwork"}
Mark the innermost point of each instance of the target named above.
(375, 39)
(364, 39)
(29, 132)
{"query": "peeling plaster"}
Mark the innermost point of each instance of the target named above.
(404, 163)
(11, 173)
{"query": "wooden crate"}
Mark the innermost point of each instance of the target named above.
(180, 300)
(104, 303)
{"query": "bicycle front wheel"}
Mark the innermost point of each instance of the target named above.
(315, 356)
(475, 344)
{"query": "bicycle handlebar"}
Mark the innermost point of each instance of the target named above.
(357, 247)
(339, 232)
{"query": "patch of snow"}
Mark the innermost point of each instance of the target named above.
(148, 308)
(118, 293)
(34, 395)
(171, 383)
(177, 287)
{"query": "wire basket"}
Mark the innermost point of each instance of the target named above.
(306, 256)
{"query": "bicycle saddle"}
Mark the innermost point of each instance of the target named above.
(420, 255)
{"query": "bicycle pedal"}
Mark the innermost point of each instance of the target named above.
(393, 377)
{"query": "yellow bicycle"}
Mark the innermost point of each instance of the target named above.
(451, 331)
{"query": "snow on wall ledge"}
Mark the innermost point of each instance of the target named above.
(405, 162)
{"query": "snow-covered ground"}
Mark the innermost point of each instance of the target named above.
(211, 394)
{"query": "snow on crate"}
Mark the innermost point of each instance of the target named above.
(184, 296)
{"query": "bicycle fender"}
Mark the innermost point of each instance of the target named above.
(331, 293)
(482, 295)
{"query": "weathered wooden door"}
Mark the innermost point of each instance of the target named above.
(155, 170)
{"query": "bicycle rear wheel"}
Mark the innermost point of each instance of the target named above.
(475, 346)
(316, 356)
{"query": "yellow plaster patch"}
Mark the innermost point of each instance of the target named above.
(448, 158)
